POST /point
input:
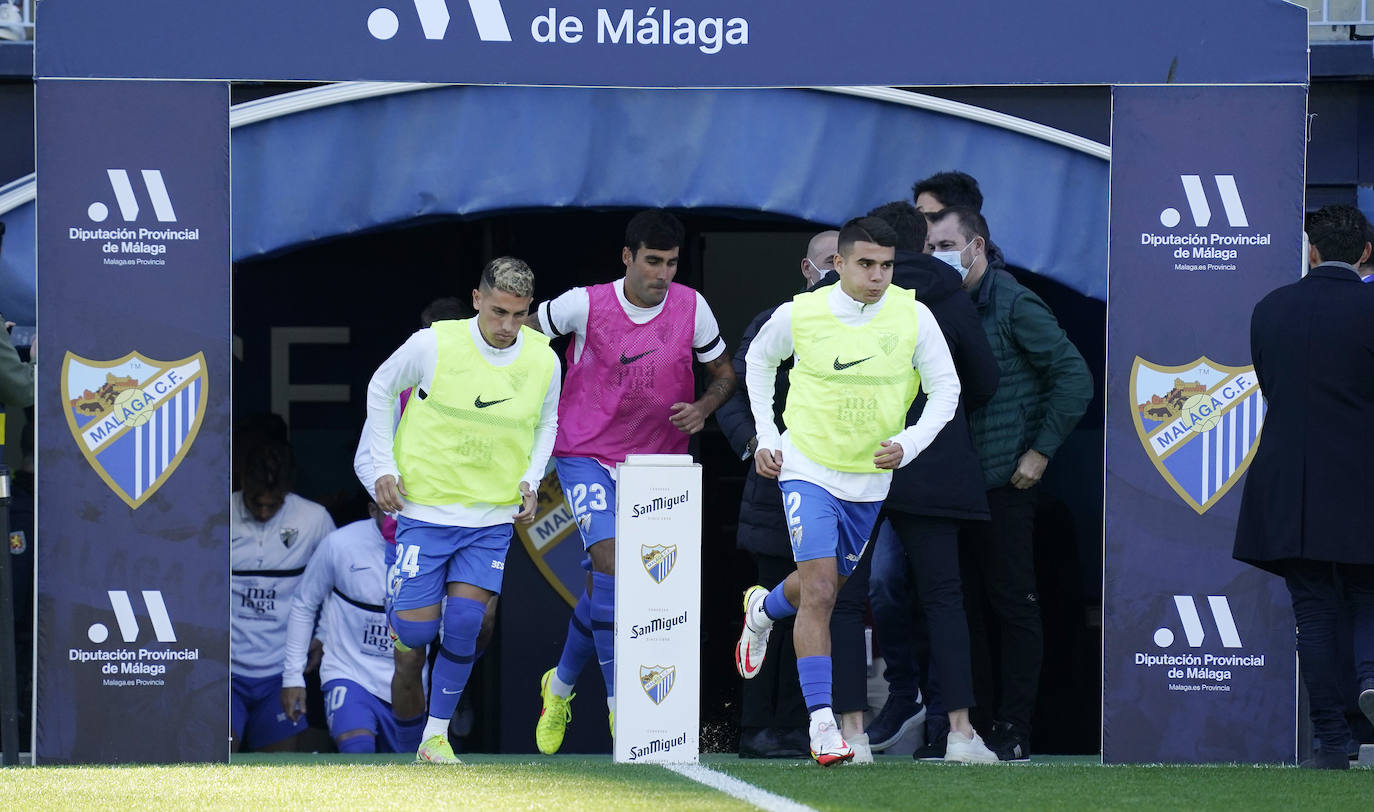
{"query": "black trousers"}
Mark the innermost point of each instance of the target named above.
(1318, 589)
(932, 547)
(773, 698)
(998, 563)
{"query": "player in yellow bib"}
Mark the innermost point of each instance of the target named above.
(464, 464)
(863, 350)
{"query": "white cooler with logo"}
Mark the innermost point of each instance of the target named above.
(658, 609)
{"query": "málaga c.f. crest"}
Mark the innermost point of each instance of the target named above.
(657, 681)
(1200, 424)
(134, 418)
(658, 560)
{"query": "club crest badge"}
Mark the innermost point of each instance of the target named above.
(1199, 423)
(289, 536)
(887, 342)
(553, 542)
(134, 418)
(657, 681)
(658, 560)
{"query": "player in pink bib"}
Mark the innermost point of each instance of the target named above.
(629, 390)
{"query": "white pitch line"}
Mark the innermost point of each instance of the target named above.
(735, 788)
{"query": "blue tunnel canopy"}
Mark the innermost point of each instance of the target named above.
(817, 156)
(823, 157)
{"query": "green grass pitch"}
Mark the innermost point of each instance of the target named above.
(333, 782)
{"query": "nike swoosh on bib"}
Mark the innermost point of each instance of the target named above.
(482, 404)
(631, 359)
(846, 365)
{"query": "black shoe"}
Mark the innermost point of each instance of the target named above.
(769, 742)
(1367, 698)
(937, 735)
(1010, 742)
(899, 716)
(1326, 760)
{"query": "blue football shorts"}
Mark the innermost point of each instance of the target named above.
(430, 556)
(590, 494)
(823, 525)
(350, 706)
(255, 713)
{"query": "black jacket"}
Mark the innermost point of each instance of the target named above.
(762, 524)
(1307, 493)
(946, 479)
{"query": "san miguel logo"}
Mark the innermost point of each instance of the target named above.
(658, 560)
(1200, 424)
(134, 418)
(657, 681)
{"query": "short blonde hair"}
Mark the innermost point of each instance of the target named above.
(510, 275)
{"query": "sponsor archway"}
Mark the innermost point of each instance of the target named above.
(133, 246)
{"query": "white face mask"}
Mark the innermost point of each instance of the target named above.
(818, 269)
(955, 260)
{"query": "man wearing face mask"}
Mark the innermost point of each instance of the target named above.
(1043, 390)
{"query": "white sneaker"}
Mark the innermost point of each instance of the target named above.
(966, 750)
(863, 754)
(753, 644)
(828, 747)
(11, 22)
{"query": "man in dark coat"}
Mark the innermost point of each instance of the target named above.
(1043, 391)
(773, 720)
(1306, 513)
(929, 499)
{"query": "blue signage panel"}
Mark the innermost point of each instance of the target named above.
(133, 421)
(693, 43)
(1206, 193)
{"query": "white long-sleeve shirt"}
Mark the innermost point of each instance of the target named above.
(413, 365)
(347, 576)
(266, 562)
(362, 457)
(931, 360)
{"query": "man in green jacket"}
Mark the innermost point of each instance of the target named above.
(1044, 388)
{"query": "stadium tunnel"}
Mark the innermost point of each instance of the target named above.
(354, 205)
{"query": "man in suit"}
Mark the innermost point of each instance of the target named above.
(1306, 511)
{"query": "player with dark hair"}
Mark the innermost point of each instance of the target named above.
(272, 535)
(945, 189)
(463, 465)
(862, 351)
(629, 390)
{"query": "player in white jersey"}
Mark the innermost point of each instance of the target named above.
(629, 390)
(346, 582)
(272, 534)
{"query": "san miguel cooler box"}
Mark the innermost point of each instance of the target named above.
(658, 609)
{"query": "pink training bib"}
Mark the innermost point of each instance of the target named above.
(618, 396)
